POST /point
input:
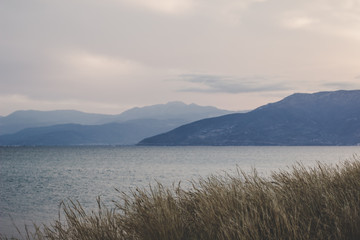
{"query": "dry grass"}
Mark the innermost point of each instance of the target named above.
(305, 203)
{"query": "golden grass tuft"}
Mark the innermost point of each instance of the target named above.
(322, 202)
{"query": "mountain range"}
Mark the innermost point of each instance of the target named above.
(323, 118)
(70, 127)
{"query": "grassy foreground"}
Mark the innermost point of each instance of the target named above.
(304, 203)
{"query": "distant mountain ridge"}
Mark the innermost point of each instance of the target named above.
(323, 118)
(173, 110)
(69, 127)
(32, 118)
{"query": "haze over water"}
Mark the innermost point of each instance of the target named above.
(34, 180)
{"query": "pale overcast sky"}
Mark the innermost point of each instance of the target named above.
(107, 56)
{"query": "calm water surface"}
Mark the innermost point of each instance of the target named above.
(34, 180)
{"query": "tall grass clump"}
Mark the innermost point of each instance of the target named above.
(321, 202)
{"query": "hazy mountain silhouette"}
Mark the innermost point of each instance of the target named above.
(324, 118)
(173, 110)
(31, 118)
(126, 133)
(68, 127)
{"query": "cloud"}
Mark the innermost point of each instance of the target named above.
(339, 18)
(80, 75)
(225, 11)
(228, 11)
(163, 6)
(89, 65)
(230, 84)
(341, 85)
(182, 6)
(298, 22)
(120, 51)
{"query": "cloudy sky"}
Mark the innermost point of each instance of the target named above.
(107, 56)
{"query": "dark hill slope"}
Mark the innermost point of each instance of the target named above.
(324, 118)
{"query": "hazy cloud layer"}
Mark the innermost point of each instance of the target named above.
(341, 85)
(109, 55)
(228, 84)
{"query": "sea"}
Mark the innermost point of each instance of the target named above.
(35, 180)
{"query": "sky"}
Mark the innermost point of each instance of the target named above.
(106, 56)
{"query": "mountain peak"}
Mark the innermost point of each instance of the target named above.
(175, 103)
(339, 94)
(171, 110)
